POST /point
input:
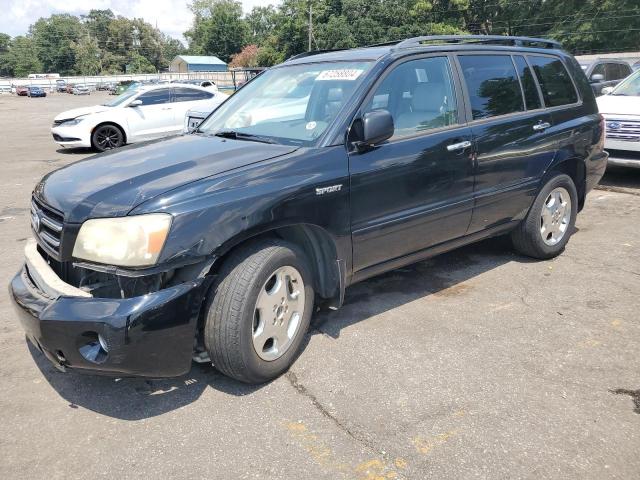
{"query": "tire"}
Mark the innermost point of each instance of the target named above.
(546, 229)
(254, 327)
(107, 137)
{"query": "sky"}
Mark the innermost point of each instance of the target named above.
(172, 16)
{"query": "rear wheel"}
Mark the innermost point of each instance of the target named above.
(107, 137)
(259, 311)
(550, 222)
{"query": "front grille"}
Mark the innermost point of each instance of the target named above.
(625, 130)
(47, 227)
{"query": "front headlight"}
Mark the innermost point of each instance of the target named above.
(126, 241)
(71, 121)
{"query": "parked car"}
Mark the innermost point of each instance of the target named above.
(22, 90)
(605, 73)
(61, 86)
(201, 83)
(139, 114)
(621, 110)
(81, 90)
(217, 245)
(34, 91)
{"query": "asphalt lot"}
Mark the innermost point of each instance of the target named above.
(478, 363)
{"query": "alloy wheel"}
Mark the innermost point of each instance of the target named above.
(278, 313)
(556, 216)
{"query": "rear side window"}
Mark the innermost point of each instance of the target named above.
(156, 97)
(555, 82)
(190, 95)
(531, 97)
(493, 85)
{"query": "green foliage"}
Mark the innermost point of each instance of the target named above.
(98, 42)
(218, 28)
(21, 58)
(103, 42)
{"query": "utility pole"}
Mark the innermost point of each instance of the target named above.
(310, 25)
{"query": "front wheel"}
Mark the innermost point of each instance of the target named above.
(259, 311)
(550, 222)
(107, 137)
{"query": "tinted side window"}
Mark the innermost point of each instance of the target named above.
(493, 85)
(190, 95)
(531, 96)
(555, 82)
(419, 94)
(156, 97)
(617, 71)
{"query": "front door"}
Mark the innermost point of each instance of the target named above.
(416, 190)
(154, 118)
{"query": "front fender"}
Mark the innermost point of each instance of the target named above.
(211, 214)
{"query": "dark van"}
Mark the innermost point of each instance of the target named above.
(322, 171)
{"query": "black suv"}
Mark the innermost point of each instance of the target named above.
(322, 171)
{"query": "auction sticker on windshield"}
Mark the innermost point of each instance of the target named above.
(342, 74)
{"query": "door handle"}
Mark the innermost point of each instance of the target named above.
(459, 146)
(539, 127)
(167, 108)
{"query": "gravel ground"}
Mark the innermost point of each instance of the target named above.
(478, 363)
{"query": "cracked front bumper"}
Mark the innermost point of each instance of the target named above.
(150, 335)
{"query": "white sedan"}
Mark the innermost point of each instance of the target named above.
(140, 114)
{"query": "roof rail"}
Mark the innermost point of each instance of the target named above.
(484, 39)
(313, 52)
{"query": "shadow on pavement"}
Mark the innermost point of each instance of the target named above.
(136, 398)
(140, 398)
(621, 177)
(443, 275)
(75, 151)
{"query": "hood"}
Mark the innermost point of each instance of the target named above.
(619, 105)
(76, 112)
(113, 183)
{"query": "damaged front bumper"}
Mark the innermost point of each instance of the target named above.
(149, 335)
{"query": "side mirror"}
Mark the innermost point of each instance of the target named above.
(597, 77)
(607, 90)
(135, 103)
(377, 126)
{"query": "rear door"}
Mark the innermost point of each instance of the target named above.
(184, 99)
(510, 130)
(154, 118)
(416, 190)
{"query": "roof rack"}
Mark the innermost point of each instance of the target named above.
(313, 52)
(483, 39)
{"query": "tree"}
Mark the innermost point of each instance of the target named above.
(5, 43)
(218, 28)
(261, 22)
(21, 58)
(88, 56)
(248, 57)
(53, 39)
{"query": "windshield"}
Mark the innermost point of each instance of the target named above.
(630, 87)
(292, 105)
(120, 99)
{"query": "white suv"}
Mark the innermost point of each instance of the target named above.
(621, 110)
(139, 114)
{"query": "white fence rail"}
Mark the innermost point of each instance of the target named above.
(222, 79)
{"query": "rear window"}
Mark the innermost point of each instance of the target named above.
(493, 85)
(555, 82)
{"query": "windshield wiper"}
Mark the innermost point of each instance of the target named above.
(619, 94)
(244, 136)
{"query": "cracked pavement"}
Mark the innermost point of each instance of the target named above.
(477, 363)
